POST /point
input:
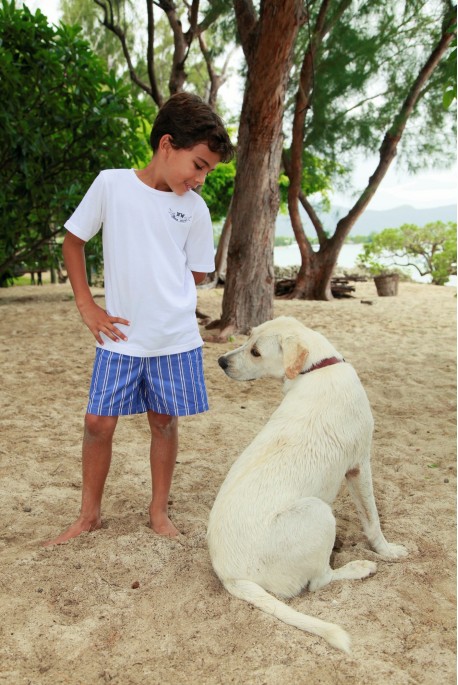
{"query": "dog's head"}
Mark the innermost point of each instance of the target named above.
(276, 349)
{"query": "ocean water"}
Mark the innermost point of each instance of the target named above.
(289, 255)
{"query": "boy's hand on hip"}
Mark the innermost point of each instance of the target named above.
(98, 321)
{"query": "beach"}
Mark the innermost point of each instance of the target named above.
(124, 606)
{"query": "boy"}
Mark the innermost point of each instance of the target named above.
(157, 245)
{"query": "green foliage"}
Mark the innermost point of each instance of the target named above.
(430, 249)
(283, 241)
(443, 261)
(362, 73)
(359, 239)
(218, 188)
(449, 69)
(88, 15)
(317, 175)
(63, 118)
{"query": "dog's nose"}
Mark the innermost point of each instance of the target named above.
(222, 361)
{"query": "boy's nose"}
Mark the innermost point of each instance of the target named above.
(200, 177)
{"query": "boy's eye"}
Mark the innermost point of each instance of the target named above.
(199, 168)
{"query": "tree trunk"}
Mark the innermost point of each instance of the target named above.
(313, 280)
(223, 246)
(268, 43)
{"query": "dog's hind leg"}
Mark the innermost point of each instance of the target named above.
(296, 547)
(299, 548)
(354, 570)
(359, 481)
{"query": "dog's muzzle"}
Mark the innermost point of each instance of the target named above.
(222, 361)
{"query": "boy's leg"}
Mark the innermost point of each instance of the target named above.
(97, 448)
(163, 454)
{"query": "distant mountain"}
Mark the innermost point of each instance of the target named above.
(372, 221)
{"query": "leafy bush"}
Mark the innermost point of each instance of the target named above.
(63, 119)
(430, 249)
(218, 188)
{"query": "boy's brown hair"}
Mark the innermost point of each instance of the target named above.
(190, 121)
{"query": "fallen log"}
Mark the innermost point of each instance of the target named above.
(340, 287)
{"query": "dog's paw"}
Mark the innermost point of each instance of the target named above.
(355, 570)
(393, 551)
(361, 569)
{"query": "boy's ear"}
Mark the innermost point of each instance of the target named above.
(165, 143)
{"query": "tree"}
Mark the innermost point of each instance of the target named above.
(315, 179)
(343, 52)
(61, 115)
(366, 70)
(267, 39)
(430, 249)
(179, 51)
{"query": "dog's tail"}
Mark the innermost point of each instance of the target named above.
(256, 595)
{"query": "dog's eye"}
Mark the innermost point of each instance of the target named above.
(255, 352)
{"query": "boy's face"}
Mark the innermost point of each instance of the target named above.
(185, 169)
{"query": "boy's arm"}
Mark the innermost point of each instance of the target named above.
(199, 276)
(95, 318)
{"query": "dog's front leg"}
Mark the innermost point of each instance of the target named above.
(359, 482)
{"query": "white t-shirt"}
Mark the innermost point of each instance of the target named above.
(152, 240)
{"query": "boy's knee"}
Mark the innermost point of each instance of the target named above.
(162, 423)
(99, 426)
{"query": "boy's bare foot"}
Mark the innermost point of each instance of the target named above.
(162, 525)
(73, 531)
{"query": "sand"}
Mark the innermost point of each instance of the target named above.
(125, 606)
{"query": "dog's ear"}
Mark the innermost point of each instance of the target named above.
(294, 356)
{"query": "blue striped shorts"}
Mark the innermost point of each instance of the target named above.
(172, 384)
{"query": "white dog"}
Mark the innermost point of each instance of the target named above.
(271, 528)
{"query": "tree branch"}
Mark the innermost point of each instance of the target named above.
(303, 98)
(247, 23)
(392, 137)
(155, 92)
(193, 16)
(109, 23)
(332, 21)
(314, 218)
(181, 43)
(216, 80)
(21, 255)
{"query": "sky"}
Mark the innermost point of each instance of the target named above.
(425, 189)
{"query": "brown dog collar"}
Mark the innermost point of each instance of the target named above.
(329, 361)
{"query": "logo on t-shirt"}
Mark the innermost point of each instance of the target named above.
(180, 216)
